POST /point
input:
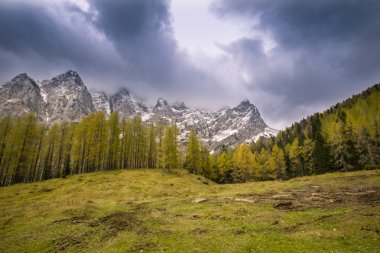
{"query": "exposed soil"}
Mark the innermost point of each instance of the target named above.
(199, 231)
(110, 225)
(120, 220)
(74, 219)
(65, 242)
(309, 197)
(116, 222)
(144, 246)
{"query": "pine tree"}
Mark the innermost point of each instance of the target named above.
(205, 163)
(242, 161)
(346, 157)
(295, 159)
(34, 173)
(175, 151)
(139, 143)
(214, 170)
(169, 148)
(308, 154)
(5, 127)
(19, 149)
(321, 154)
(192, 160)
(160, 152)
(114, 140)
(225, 168)
(278, 163)
(152, 154)
(128, 148)
(265, 165)
(123, 144)
(368, 152)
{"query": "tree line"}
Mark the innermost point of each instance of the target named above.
(344, 138)
(30, 151)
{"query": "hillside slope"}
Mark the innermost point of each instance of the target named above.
(153, 211)
(345, 137)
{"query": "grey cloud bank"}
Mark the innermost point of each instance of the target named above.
(323, 51)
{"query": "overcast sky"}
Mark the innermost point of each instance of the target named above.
(290, 58)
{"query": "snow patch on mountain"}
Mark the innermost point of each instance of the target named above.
(65, 97)
(101, 102)
(224, 134)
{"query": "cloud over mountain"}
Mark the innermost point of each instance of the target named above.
(295, 58)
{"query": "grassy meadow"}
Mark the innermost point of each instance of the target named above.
(158, 211)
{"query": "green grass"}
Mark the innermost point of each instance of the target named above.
(156, 211)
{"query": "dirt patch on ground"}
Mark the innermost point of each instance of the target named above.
(199, 231)
(66, 242)
(284, 205)
(309, 197)
(144, 246)
(318, 196)
(74, 219)
(119, 220)
(109, 226)
(371, 229)
(112, 224)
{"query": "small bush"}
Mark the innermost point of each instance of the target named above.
(372, 167)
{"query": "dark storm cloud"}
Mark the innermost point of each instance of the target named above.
(111, 44)
(325, 50)
(41, 39)
(28, 30)
(142, 33)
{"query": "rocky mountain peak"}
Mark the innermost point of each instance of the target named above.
(101, 101)
(179, 106)
(123, 91)
(70, 78)
(21, 83)
(127, 104)
(162, 108)
(19, 96)
(161, 102)
(121, 94)
(244, 105)
(65, 97)
(71, 73)
(22, 78)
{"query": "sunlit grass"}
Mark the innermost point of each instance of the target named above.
(153, 210)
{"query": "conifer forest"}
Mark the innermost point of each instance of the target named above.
(346, 137)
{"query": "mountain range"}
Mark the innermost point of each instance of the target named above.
(66, 98)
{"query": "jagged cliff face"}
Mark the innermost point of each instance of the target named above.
(20, 96)
(127, 105)
(101, 101)
(65, 97)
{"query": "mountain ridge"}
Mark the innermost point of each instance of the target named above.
(66, 97)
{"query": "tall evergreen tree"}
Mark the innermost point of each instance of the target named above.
(243, 164)
(225, 167)
(192, 160)
(277, 163)
(160, 151)
(114, 140)
(152, 154)
(169, 148)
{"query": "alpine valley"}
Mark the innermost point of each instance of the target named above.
(66, 98)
